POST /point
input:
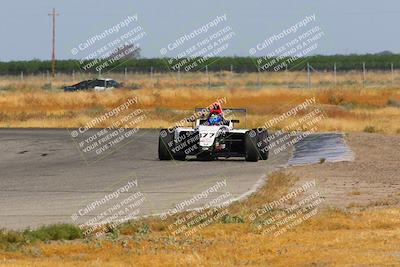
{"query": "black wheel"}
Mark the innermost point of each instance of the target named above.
(167, 148)
(250, 142)
(204, 156)
(179, 157)
(165, 145)
(262, 143)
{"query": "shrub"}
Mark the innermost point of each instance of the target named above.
(47, 86)
(143, 229)
(391, 102)
(54, 232)
(348, 105)
(217, 84)
(112, 230)
(7, 88)
(12, 240)
(96, 110)
(369, 129)
(335, 100)
(134, 86)
(232, 219)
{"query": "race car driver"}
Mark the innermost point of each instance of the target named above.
(216, 116)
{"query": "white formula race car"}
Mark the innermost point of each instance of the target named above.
(207, 141)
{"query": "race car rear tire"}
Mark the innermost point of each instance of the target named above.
(165, 139)
(262, 144)
(250, 141)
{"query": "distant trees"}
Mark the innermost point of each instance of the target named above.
(132, 62)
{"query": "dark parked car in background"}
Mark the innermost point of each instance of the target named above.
(97, 85)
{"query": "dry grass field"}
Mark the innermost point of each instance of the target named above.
(167, 98)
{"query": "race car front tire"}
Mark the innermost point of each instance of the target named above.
(262, 144)
(167, 146)
(250, 141)
(165, 140)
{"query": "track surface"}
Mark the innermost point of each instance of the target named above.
(43, 178)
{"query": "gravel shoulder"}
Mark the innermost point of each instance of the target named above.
(372, 180)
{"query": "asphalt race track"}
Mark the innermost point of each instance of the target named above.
(44, 178)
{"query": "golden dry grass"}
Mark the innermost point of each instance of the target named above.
(223, 79)
(331, 238)
(166, 99)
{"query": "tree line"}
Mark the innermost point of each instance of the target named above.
(236, 64)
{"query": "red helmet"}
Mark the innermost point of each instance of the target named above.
(216, 108)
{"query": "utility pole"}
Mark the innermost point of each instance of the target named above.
(53, 53)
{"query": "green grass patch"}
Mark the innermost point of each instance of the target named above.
(232, 219)
(11, 240)
(7, 88)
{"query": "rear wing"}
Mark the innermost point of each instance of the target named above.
(225, 111)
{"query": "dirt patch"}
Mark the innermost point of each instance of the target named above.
(371, 180)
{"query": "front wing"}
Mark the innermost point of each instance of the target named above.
(187, 143)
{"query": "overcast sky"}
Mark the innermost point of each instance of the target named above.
(351, 26)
